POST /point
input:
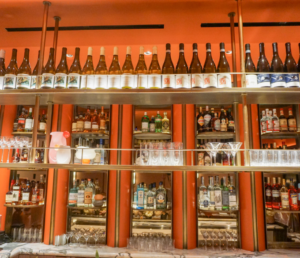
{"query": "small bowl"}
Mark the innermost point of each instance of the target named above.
(98, 203)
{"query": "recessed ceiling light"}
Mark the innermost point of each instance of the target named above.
(147, 53)
(229, 52)
(68, 55)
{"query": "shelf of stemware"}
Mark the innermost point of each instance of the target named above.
(216, 135)
(91, 135)
(152, 136)
(23, 206)
(280, 135)
(283, 211)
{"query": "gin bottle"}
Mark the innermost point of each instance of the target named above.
(80, 194)
(158, 123)
(150, 197)
(146, 190)
(275, 121)
(232, 195)
(218, 195)
(225, 195)
(161, 196)
(145, 123)
(204, 199)
(140, 195)
(73, 195)
(211, 194)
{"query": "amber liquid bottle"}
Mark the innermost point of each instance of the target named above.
(12, 69)
(35, 73)
(290, 66)
(181, 68)
(263, 80)
(249, 65)
(115, 65)
(277, 80)
(195, 68)
(88, 69)
(209, 69)
(141, 67)
(75, 71)
(224, 81)
(61, 71)
(168, 67)
(154, 65)
(47, 79)
(127, 81)
(24, 72)
(2, 63)
(101, 66)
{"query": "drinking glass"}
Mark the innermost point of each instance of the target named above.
(269, 157)
(177, 157)
(297, 158)
(227, 237)
(283, 157)
(145, 154)
(15, 234)
(220, 236)
(155, 153)
(214, 146)
(141, 244)
(227, 150)
(213, 237)
(68, 235)
(235, 146)
(2, 144)
(8, 141)
(276, 158)
(77, 237)
(96, 237)
(86, 237)
(205, 236)
(289, 156)
(158, 245)
(254, 157)
(166, 153)
(235, 239)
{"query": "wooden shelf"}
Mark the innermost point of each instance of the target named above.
(217, 212)
(90, 135)
(151, 220)
(216, 135)
(283, 211)
(84, 208)
(27, 133)
(152, 209)
(280, 135)
(22, 206)
(152, 136)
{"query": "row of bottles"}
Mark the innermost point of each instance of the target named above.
(156, 124)
(283, 196)
(216, 196)
(26, 192)
(96, 122)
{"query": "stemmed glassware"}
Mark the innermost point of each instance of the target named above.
(205, 236)
(77, 237)
(2, 144)
(8, 141)
(227, 237)
(86, 237)
(235, 146)
(227, 150)
(220, 236)
(214, 146)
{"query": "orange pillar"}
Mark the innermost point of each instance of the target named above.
(177, 181)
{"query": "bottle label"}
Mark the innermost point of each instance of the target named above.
(207, 160)
(41, 195)
(23, 81)
(231, 124)
(269, 126)
(182, 81)
(201, 121)
(88, 197)
(114, 81)
(224, 80)
(283, 124)
(25, 196)
(94, 127)
(263, 80)
(80, 196)
(15, 195)
(1, 82)
(168, 81)
(263, 126)
(101, 81)
(275, 193)
(160, 198)
(42, 126)
(33, 82)
(276, 126)
(293, 198)
(150, 201)
(140, 198)
(74, 80)
(217, 125)
(292, 124)
(223, 126)
(28, 124)
(210, 80)
(87, 125)
(145, 126)
(8, 198)
(47, 80)
(152, 127)
(74, 127)
(127, 81)
(207, 119)
(34, 198)
(268, 192)
(165, 126)
(73, 198)
(232, 198)
(90, 79)
(142, 81)
(292, 80)
(225, 198)
(285, 200)
(79, 125)
(60, 80)
(251, 81)
(211, 197)
(197, 80)
(154, 81)
(9, 81)
(277, 80)
(102, 124)
(218, 198)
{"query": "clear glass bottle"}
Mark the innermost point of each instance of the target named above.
(80, 194)
(165, 123)
(154, 67)
(150, 197)
(88, 194)
(161, 197)
(146, 190)
(203, 196)
(275, 121)
(211, 194)
(145, 123)
(73, 195)
(115, 65)
(269, 122)
(152, 125)
(225, 195)
(158, 123)
(284, 195)
(218, 195)
(141, 67)
(140, 196)
(95, 123)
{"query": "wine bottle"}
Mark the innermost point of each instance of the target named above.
(182, 70)
(224, 80)
(11, 72)
(263, 80)
(24, 72)
(277, 80)
(168, 79)
(115, 65)
(251, 79)
(35, 73)
(2, 67)
(141, 67)
(75, 71)
(101, 67)
(60, 81)
(154, 79)
(48, 72)
(196, 69)
(290, 66)
(127, 80)
(299, 59)
(209, 69)
(88, 69)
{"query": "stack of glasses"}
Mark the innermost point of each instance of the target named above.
(27, 235)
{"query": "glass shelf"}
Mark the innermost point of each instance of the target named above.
(280, 135)
(152, 136)
(84, 208)
(283, 211)
(216, 135)
(91, 135)
(23, 206)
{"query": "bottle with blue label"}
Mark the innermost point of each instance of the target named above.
(278, 79)
(140, 196)
(263, 80)
(290, 66)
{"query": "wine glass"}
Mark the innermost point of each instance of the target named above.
(8, 141)
(227, 150)
(77, 237)
(235, 146)
(213, 237)
(214, 146)
(86, 237)
(227, 237)
(2, 144)
(220, 236)
(68, 235)
(205, 236)
(235, 238)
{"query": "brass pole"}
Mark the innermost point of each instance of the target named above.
(35, 127)
(237, 130)
(232, 32)
(241, 40)
(254, 211)
(57, 19)
(53, 206)
(48, 130)
(184, 181)
(246, 130)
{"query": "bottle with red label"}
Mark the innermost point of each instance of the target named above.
(275, 195)
(292, 121)
(200, 121)
(284, 195)
(275, 122)
(293, 196)
(282, 122)
(21, 121)
(263, 123)
(268, 191)
(269, 121)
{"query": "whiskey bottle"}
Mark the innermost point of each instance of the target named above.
(209, 69)
(16, 191)
(9, 194)
(34, 194)
(275, 195)
(224, 80)
(41, 190)
(158, 123)
(290, 66)
(165, 124)
(29, 122)
(107, 123)
(60, 81)
(87, 127)
(88, 194)
(263, 80)
(223, 126)
(115, 65)
(292, 124)
(275, 121)
(268, 192)
(101, 67)
(102, 121)
(154, 65)
(145, 123)
(277, 80)
(231, 125)
(195, 66)
(282, 121)
(207, 120)
(42, 123)
(141, 67)
(200, 121)
(11, 72)
(24, 72)
(79, 124)
(75, 71)
(284, 195)
(216, 123)
(32, 183)
(94, 120)
(26, 193)
(48, 72)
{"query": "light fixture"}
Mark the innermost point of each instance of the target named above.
(229, 52)
(147, 53)
(69, 55)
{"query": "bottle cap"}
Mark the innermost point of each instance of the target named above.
(208, 47)
(154, 50)
(2, 53)
(102, 51)
(145, 113)
(222, 47)
(195, 46)
(128, 51)
(181, 46)
(141, 50)
(90, 51)
(157, 112)
(160, 183)
(168, 46)
(115, 51)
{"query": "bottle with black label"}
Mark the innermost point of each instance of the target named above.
(207, 120)
(200, 121)
(231, 125)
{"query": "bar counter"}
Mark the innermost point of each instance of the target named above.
(24, 250)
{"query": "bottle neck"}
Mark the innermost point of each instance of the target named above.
(64, 56)
(76, 59)
(26, 56)
(14, 56)
(115, 58)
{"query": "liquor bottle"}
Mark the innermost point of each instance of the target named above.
(291, 120)
(168, 67)
(41, 189)
(203, 196)
(154, 191)
(140, 194)
(268, 191)
(263, 80)
(128, 67)
(290, 66)
(293, 196)
(97, 158)
(101, 66)
(200, 121)
(87, 125)
(9, 194)
(249, 65)
(141, 67)
(16, 191)
(284, 195)
(282, 121)
(277, 80)
(161, 197)
(224, 80)
(35, 72)
(146, 190)
(61, 71)
(88, 194)
(15, 127)
(2, 63)
(181, 66)
(11, 72)
(75, 71)
(29, 122)
(218, 195)
(34, 194)
(80, 194)
(275, 195)
(37, 158)
(263, 123)
(211, 194)
(215, 123)
(232, 195)
(107, 123)
(32, 183)
(21, 121)
(275, 121)
(94, 121)
(209, 69)
(73, 195)
(158, 123)
(223, 126)
(24, 72)
(207, 120)
(88, 67)
(154, 65)
(165, 123)
(150, 197)
(26, 193)
(269, 122)
(299, 195)
(151, 124)
(42, 123)
(79, 124)
(115, 65)
(231, 125)
(225, 195)
(48, 72)
(102, 121)
(195, 66)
